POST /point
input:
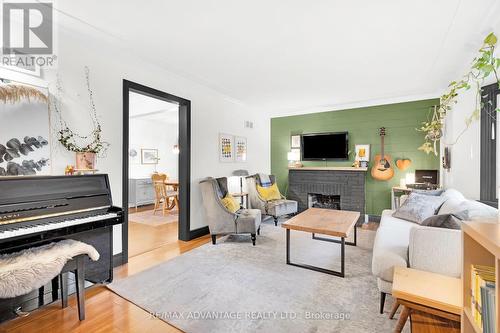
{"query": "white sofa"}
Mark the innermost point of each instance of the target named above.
(403, 243)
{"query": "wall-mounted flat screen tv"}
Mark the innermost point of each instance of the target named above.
(324, 146)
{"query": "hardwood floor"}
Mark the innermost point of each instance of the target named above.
(106, 311)
(143, 238)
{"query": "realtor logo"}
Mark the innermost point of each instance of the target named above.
(27, 28)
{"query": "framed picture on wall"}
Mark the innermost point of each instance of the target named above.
(149, 156)
(25, 134)
(295, 141)
(240, 145)
(362, 153)
(226, 147)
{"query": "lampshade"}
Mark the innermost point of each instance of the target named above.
(410, 178)
(293, 155)
(240, 173)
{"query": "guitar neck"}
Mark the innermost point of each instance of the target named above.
(382, 148)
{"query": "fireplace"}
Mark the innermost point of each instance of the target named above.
(318, 200)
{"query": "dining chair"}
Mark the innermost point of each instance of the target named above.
(164, 197)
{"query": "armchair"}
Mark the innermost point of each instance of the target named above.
(274, 208)
(220, 220)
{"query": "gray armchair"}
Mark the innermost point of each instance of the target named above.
(220, 220)
(274, 208)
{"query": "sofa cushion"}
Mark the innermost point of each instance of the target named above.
(429, 192)
(390, 248)
(230, 203)
(447, 221)
(473, 210)
(451, 206)
(451, 193)
(418, 207)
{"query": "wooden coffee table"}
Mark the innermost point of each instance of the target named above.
(338, 223)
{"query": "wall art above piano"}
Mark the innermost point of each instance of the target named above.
(25, 130)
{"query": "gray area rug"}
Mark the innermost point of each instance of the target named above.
(236, 287)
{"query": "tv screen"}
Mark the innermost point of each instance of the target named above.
(324, 146)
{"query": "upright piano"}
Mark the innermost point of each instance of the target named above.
(38, 210)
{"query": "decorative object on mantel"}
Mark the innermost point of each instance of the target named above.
(226, 148)
(293, 157)
(175, 149)
(240, 147)
(382, 166)
(362, 153)
(403, 164)
(481, 68)
(86, 152)
(24, 140)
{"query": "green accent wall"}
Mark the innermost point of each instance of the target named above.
(401, 141)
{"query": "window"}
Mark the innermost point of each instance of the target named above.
(490, 100)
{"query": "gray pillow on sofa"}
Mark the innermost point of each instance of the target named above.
(429, 192)
(448, 221)
(418, 207)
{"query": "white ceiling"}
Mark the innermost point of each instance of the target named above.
(148, 108)
(290, 56)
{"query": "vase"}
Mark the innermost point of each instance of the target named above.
(85, 161)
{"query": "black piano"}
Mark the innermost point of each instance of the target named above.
(42, 209)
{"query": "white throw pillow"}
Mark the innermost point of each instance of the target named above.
(451, 206)
(451, 193)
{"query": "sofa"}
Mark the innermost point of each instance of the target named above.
(403, 243)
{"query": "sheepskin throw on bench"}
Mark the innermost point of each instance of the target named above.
(24, 271)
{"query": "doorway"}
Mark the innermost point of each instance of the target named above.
(156, 169)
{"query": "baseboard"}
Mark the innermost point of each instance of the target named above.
(118, 260)
(374, 218)
(198, 232)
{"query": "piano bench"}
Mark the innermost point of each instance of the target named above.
(76, 265)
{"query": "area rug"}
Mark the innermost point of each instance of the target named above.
(154, 220)
(236, 287)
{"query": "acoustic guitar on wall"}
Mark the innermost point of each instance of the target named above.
(382, 168)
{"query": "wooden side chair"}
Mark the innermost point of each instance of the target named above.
(164, 197)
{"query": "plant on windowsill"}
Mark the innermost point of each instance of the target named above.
(87, 147)
(482, 67)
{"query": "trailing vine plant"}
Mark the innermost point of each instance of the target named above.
(484, 65)
(72, 141)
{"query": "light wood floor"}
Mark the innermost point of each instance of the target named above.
(106, 311)
(143, 238)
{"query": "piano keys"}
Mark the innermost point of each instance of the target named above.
(38, 210)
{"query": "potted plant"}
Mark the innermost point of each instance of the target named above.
(87, 147)
(484, 65)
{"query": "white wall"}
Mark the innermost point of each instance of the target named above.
(211, 113)
(153, 134)
(465, 150)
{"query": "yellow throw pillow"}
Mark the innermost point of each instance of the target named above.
(230, 203)
(269, 193)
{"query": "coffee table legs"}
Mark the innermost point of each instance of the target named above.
(319, 269)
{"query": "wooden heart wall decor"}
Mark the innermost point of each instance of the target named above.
(403, 164)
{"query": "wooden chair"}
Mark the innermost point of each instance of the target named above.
(164, 196)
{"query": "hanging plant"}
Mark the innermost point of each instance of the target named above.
(91, 143)
(484, 65)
